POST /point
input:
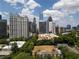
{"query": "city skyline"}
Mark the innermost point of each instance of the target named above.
(61, 13)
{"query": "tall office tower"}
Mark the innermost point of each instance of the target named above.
(53, 28)
(68, 28)
(8, 30)
(19, 26)
(0, 17)
(34, 25)
(30, 27)
(50, 22)
(57, 30)
(3, 28)
(42, 27)
(51, 25)
(62, 30)
(41, 16)
(47, 26)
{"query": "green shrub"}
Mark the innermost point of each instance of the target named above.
(23, 55)
(3, 41)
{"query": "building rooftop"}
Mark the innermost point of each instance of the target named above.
(45, 49)
(19, 44)
(46, 36)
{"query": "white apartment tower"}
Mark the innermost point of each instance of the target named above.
(18, 26)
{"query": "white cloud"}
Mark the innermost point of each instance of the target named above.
(29, 8)
(66, 4)
(25, 12)
(68, 8)
(5, 15)
(55, 14)
(32, 4)
(68, 20)
(52, 12)
(14, 2)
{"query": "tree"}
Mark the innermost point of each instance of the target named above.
(3, 41)
(14, 48)
(45, 42)
(27, 47)
(23, 55)
(7, 57)
(68, 54)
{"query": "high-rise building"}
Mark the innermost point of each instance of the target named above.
(0, 17)
(47, 26)
(62, 30)
(19, 26)
(34, 25)
(53, 28)
(51, 25)
(41, 16)
(68, 26)
(57, 30)
(3, 28)
(50, 19)
(42, 27)
(30, 27)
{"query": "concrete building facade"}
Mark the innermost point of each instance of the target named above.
(19, 27)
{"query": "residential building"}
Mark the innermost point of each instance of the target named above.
(19, 26)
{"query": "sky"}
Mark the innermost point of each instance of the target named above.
(63, 12)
